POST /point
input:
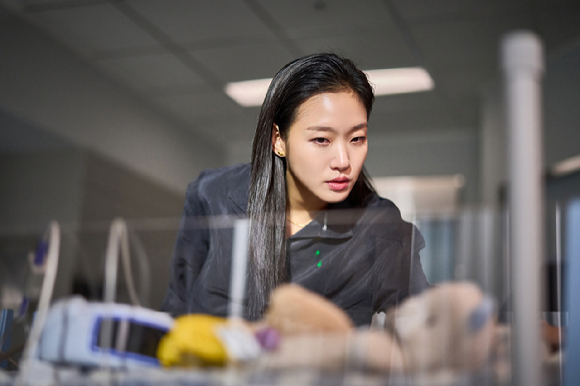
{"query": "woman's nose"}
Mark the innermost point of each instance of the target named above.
(340, 159)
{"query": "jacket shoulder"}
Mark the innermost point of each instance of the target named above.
(210, 178)
(387, 219)
(384, 205)
(214, 186)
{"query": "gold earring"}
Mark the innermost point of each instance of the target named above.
(279, 153)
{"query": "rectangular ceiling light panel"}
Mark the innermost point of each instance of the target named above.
(400, 80)
(387, 81)
(249, 92)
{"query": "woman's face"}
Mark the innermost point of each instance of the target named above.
(325, 149)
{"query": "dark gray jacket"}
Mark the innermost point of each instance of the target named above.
(363, 260)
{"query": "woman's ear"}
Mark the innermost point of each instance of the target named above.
(278, 145)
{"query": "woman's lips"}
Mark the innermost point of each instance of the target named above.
(338, 184)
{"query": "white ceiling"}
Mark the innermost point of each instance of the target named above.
(178, 54)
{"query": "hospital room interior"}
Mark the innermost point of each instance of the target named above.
(109, 109)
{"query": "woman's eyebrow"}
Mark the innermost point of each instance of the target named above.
(321, 128)
(332, 130)
(363, 125)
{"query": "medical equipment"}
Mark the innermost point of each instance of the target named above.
(75, 333)
(78, 333)
(105, 334)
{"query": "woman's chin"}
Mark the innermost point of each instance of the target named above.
(334, 197)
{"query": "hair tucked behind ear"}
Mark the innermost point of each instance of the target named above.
(267, 198)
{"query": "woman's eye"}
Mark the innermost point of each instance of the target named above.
(359, 139)
(321, 141)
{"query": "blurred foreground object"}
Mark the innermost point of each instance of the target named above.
(447, 327)
(522, 60)
(450, 327)
(295, 310)
(205, 340)
(74, 334)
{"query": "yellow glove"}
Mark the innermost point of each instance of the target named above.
(193, 342)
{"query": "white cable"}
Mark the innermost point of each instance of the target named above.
(44, 302)
(118, 240)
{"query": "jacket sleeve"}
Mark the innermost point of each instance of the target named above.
(190, 251)
(399, 273)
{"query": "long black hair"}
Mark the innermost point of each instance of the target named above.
(267, 200)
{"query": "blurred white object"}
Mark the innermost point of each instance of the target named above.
(239, 266)
(400, 80)
(565, 167)
(73, 334)
(118, 242)
(523, 65)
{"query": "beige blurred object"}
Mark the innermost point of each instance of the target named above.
(295, 310)
(375, 351)
(324, 351)
(451, 326)
(446, 328)
(364, 350)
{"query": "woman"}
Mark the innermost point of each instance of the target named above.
(307, 163)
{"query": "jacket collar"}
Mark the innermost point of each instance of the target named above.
(337, 222)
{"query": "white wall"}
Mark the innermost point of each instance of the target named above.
(47, 86)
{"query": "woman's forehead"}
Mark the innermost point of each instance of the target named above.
(330, 105)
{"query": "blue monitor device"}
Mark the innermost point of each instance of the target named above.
(90, 334)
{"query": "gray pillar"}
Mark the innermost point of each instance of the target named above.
(522, 60)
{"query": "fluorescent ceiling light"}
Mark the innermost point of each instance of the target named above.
(567, 166)
(400, 80)
(249, 92)
(388, 81)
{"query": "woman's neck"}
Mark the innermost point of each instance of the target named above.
(302, 206)
(299, 214)
(301, 218)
